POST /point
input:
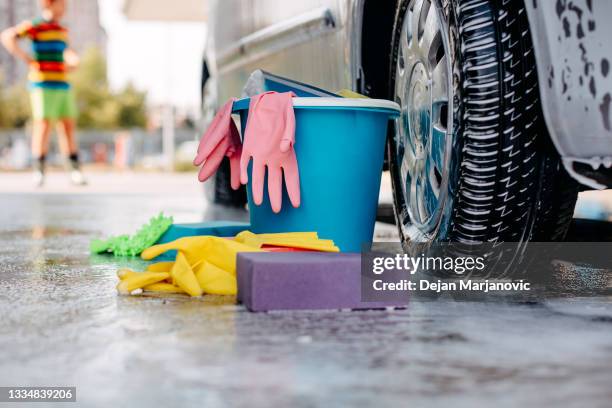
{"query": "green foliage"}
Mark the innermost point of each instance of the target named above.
(92, 92)
(131, 112)
(133, 245)
(14, 106)
(99, 107)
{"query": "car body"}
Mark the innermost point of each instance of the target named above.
(309, 41)
(574, 54)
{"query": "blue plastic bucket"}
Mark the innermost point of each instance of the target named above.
(340, 145)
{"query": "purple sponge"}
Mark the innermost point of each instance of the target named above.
(302, 281)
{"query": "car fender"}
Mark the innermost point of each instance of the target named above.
(572, 47)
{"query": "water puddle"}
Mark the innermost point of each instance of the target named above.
(41, 232)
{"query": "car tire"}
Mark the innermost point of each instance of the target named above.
(482, 157)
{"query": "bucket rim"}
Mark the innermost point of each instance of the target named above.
(331, 102)
(346, 103)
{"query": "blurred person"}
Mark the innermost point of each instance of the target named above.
(51, 95)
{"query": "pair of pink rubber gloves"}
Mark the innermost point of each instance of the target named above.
(268, 141)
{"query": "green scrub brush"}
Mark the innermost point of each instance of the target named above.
(125, 245)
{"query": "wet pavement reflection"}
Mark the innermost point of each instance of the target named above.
(63, 324)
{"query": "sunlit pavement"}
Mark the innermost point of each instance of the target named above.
(63, 324)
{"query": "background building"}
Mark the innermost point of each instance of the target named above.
(82, 19)
(11, 13)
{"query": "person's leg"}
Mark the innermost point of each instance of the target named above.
(41, 131)
(67, 137)
(69, 147)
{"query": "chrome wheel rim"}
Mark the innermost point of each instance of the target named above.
(422, 137)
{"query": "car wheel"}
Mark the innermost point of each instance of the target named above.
(470, 157)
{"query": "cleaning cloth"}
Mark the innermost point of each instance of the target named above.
(126, 245)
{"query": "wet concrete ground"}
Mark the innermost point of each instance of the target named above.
(64, 325)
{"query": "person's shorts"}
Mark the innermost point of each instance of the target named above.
(52, 104)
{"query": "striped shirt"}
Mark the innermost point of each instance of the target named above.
(49, 41)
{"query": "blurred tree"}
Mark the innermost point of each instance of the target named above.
(14, 106)
(131, 112)
(2, 103)
(18, 105)
(99, 107)
(92, 92)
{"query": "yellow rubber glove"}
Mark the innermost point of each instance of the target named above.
(160, 267)
(256, 240)
(302, 240)
(125, 273)
(163, 287)
(140, 280)
(221, 252)
(215, 280)
(321, 245)
(183, 276)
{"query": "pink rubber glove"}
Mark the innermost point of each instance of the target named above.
(268, 140)
(220, 139)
